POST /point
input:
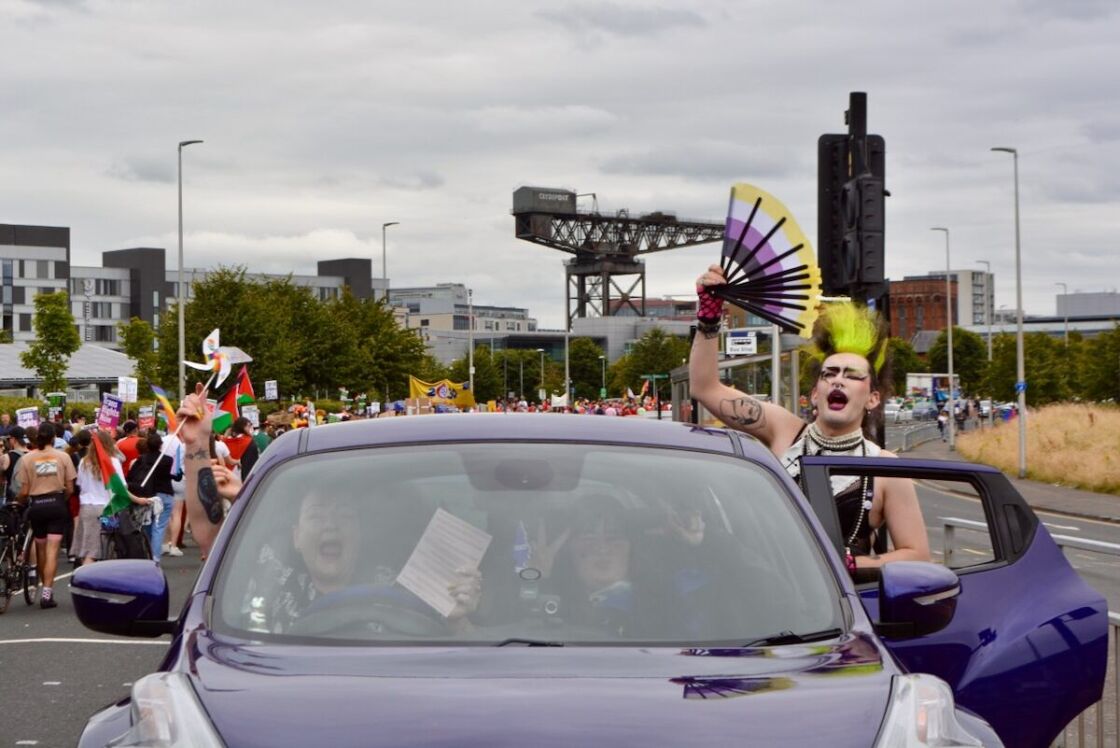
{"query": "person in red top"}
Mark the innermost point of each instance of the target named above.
(242, 448)
(128, 445)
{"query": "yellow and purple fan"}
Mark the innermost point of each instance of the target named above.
(771, 268)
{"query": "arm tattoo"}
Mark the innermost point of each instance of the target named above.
(208, 495)
(200, 454)
(709, 334)
(743, 413)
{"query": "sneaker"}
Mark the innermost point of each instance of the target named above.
(174, 551)
(166, 548)
(47, 603)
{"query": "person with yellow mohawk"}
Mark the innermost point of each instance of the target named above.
(849, 351)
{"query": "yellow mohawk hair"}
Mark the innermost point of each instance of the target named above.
(845, 327)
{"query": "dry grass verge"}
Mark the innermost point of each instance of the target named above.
(1071, 445)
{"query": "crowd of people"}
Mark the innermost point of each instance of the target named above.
(54, 470)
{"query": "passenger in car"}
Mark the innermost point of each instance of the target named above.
(850, 349)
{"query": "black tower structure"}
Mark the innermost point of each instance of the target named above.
(605, 248)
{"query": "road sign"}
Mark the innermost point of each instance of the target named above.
(1020, 387)
(742, 343)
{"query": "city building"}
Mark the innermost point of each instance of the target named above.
(1088, 304)
(33, 260)
(917, 304)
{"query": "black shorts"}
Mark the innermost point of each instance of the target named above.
(49, 515)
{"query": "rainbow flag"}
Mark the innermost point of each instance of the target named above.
(118, 491)
(165, 404)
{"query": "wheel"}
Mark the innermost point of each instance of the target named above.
(30, 584)
(108, 547)
(7, 577)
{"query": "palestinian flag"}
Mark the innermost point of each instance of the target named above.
(244, 387)
(118, 491)
(226, 411)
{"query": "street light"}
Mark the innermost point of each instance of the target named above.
(180, 300)
(541, 388)
(384, 257)
(470, 340)
(987, 302)
(1020, 365)
(1065, 292)
(949, 324)
(603, 387)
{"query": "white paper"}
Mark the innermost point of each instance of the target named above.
(448, 543)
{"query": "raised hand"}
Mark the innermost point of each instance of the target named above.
(467, 591)
(194, 419)
(543, 552)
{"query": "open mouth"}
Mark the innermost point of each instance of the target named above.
(837, 400)
(330, 549)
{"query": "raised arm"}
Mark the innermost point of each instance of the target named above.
(771, 424)
(201, 492)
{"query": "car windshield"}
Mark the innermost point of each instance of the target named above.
(523, 543)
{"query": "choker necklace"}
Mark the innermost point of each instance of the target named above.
(844, 443)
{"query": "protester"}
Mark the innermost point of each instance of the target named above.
(5, 424)
(128, 446)
(242, 449)
(46, 480)
(850, 351)
(150, 478)
(94, 497)
(15, 447)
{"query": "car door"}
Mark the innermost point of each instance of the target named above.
(1027, 649)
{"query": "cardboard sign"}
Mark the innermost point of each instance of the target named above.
(147, 417)
(253, 413)
(126, 389)
(110, 414)
(27, 417)
(271, 391)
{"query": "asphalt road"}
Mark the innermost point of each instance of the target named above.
(56, 672)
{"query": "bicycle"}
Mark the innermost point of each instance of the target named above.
(16, 544)
(123, 536)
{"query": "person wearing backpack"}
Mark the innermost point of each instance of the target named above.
(15, 447)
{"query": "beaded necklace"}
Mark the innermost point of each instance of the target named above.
(840, 444)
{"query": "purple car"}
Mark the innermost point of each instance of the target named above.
(519, 580)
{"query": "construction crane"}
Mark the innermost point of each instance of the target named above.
(605, 248)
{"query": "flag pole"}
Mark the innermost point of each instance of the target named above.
(178, 428)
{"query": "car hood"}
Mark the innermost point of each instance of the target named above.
(831, 694)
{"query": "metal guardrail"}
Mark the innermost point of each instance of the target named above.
(1094, 719)
(920, 435)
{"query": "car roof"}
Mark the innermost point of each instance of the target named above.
(523, 427)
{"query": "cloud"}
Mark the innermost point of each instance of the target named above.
(1078, 10)
(621, 20)
(706, 161)
(541, 122)
(144, 169)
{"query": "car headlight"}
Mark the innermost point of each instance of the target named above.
(166, 713)
(921, 712)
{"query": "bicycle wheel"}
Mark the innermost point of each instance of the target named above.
(30, 584)
(108, 545)
(7, 576)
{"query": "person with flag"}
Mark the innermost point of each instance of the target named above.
(102, 491)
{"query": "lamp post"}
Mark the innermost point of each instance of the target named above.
(541, 388)
(987, 302)
(180, 301)
(1065, 325)
(521, 388)
(385, 256)
(603, 386)
(949, 325)
(470, 340)
(1020, 365)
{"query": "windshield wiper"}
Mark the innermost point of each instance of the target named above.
(528, 642)
(788, 637)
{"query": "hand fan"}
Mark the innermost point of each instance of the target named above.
(770, 267)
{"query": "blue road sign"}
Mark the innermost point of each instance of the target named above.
(1020, 388)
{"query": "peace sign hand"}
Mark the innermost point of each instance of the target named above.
(544, 553)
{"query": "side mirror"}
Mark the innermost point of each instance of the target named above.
(915, 598)
(127, 597)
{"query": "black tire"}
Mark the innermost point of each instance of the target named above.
(108, 547)
(7, 574)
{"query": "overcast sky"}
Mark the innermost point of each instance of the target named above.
(324, 120)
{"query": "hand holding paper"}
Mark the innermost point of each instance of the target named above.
(443, 568)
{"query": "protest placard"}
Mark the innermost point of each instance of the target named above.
(110, 413)
(447, 545)
(253, 413)
(27, 417)
(147, 417)
(126, 389)
(271, 391)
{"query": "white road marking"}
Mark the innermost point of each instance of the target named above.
(67, 640)
(1061, 527)
(27, 742)
(52, 683)
(60, 576)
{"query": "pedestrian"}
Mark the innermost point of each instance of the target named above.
(152, 461)
(5, 424)
(849, 351)
(128, 445)
(93, 495)
(15, 447)
(942, 424)
(46, 480)
(242, 449)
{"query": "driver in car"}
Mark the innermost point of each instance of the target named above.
(332, 555)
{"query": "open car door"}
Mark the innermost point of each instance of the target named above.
(1027, 649)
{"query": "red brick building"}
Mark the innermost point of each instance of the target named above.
(919, 304)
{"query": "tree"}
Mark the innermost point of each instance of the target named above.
(1046, 366)
(904, 360)
(137, 340)
(657, 352)
(487, 375)
(970, 358)
(1100, 367)
(6, 336)
(56, 339)
(585, 367)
